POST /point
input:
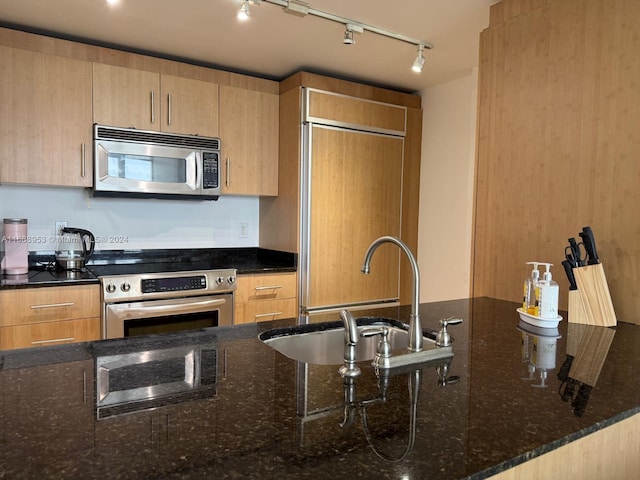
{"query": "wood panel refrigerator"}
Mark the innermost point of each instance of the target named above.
(351, 194)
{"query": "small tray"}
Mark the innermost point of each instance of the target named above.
(537, 321)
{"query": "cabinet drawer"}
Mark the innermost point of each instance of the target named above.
(50, 333)
(266, 310)
(270, 286)
(47, 304)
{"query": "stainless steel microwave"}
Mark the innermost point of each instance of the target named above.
(140, 163)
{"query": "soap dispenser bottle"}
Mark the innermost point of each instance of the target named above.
(529, 294)
(547, 292)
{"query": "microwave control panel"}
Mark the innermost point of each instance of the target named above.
(210, 167)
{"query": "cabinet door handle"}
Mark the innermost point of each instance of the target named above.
(153, 106)
(168, 108)
(262, 315)
(82, 160)
(227, 179)
(52, 305)
(53, 340)
(268, 287)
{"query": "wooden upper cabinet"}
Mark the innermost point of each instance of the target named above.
(189, 106)
(127, 97)
(249, 137)
(45, 119)
(331, 108)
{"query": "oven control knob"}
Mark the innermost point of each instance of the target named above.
(231, 280)
(220, 280)
(110, 288)
(125, 287)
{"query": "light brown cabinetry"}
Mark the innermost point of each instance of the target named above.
(356, 190)
(45, 119)
(127, 97)
(48, 316)
(350, 177)
(249, 133)
(266, 296)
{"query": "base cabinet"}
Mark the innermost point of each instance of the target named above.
(263, 297)
(33, 317)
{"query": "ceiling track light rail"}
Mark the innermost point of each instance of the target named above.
(301, 9)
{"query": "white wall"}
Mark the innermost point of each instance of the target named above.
(446, 189)
(124, 224)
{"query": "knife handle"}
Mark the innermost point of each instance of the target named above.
(590, 245)
(569, 271)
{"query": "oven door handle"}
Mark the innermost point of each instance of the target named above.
(186, 307)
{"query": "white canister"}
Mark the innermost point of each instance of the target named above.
(15, 247)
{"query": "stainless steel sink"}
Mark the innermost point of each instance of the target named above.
(323, 343)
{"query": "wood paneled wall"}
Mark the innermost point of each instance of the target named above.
(559, 143)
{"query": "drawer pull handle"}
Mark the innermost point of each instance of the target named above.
(272, 314)
(268, 287)
(53, 305)
(55, 340)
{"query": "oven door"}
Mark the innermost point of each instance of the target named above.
(160, 316)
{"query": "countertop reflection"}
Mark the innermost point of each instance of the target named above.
(509, 393)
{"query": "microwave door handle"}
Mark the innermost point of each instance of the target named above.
(142, 311)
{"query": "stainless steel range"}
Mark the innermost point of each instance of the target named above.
(146, 303)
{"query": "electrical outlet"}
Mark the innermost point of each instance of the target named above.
(59, 227)
(244, 230)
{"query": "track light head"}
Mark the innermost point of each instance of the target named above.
(349, 30)
(418, 63)
(243, 13)
(348, 37)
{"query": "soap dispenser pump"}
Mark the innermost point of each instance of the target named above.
(529, 297)
(547, 292)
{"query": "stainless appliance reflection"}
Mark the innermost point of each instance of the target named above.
(140, 380)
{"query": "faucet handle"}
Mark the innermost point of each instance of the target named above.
(383, 352)
(443, 339)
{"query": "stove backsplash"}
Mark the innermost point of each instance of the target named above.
(127, 224)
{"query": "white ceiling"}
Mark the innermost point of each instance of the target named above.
(275, 44)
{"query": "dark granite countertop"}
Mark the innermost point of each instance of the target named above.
(271, 417)
(247, 260)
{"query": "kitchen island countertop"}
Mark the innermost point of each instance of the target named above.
(510, 393)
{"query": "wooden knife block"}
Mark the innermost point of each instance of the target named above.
(591, 302)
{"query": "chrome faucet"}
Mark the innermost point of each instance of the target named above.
(415, 327)
(349, 369)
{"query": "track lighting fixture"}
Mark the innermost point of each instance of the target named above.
(418, 63)
(243, 13)
(348, 37)
(302, 9)
(349, 30)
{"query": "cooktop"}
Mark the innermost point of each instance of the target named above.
(150, 267)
